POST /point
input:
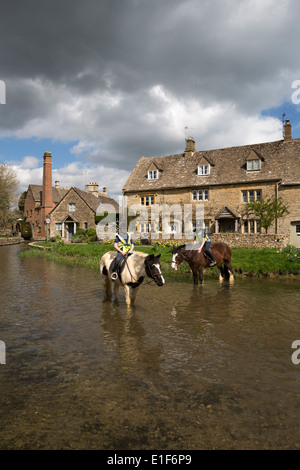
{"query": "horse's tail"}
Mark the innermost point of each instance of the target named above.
(227, 261)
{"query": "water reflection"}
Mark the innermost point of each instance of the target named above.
(193, 368)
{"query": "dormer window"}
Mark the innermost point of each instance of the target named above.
(254, 161)
(152, 174)
(253, 165)
(203, 170)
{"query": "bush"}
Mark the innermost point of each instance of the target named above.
(78, 238)
(80, 231)
(91, 232)
(93, 238)
(292, 253)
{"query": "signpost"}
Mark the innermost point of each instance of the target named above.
(47, 221)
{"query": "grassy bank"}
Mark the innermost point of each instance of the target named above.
(250, 262)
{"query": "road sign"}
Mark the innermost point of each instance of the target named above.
(48, 221)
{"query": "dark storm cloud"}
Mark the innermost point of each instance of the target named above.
(128, 75)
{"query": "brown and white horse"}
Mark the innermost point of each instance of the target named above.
(136, 267)
(198, 261)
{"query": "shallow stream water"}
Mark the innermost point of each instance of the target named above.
(186, 368)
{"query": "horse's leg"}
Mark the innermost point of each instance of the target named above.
(231, 278)
(201, 276)
(228, 265)
(107, 285)
(133, 294)
(221, 273)
(195, 277)
(116, 289)
(127, 290)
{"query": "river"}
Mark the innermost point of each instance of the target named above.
(186, 368)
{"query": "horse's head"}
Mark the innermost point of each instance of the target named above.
(177, 256)
(153, 269)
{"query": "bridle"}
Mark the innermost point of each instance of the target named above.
(149, 272)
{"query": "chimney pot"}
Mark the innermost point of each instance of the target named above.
(287, 131)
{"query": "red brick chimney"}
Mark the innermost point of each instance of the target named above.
(47, 202)
(287, 131)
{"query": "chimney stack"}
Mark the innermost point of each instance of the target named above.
(57, 184)
(47, 202)
(190, 147)
(92, 188)
(287, 131)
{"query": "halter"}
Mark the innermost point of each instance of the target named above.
(150, 274)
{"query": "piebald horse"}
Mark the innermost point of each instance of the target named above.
(136, 267)
(198, 261)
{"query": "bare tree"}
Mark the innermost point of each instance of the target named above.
(8, 194)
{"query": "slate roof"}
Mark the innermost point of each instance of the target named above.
(279, 161)
(59, 193)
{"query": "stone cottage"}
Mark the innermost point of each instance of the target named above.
(222, 181)
(52, 210)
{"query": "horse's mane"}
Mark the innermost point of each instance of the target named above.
(177, 248)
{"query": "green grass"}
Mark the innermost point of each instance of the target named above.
(245, 261)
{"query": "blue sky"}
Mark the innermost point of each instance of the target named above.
(102, 83)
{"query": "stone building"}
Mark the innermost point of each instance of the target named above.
(66, 209)
(222, 181)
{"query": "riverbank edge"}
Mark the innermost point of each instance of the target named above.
(11, 241)
(166, 268)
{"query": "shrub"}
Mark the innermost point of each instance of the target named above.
(91, 232)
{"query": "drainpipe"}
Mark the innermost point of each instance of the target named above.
(276, 199)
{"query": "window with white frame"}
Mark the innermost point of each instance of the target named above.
(58, 227)
(203, 170)
(146, 227)
(251, 226)
(147, 200)
(251, 195)
(298, 229)
(253, 165)
(200, 195)
(72, 207)
(152, 174)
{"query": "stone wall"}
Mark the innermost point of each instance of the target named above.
(251, 240)
(11, 241)
(234, 240)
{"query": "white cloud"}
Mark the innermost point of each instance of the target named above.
(30, 162)
(127, 85)
(74, 174)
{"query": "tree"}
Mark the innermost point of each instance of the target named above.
(267, 210)
(8, 190)
(21, 202)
